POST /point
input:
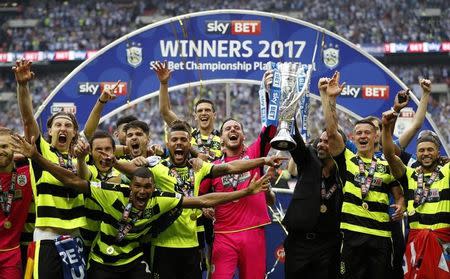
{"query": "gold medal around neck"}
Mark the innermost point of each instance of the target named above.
(365, 205)
(323, 208)
(7, 224)
(193, 216)
(110, 250)
(411, 213)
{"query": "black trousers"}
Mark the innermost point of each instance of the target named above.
(399, 245)
(310, 255)
(365, 256)
(176, 263)
(139, 269)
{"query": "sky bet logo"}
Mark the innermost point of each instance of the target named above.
(92, 88)
(366, 91)
(233, 27)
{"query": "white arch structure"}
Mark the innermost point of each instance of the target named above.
(178, 19)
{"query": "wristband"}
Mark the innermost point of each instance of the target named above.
(103, 102)
(395, 113)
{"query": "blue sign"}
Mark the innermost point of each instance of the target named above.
(223, 46)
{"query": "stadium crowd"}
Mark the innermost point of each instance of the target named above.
(94, 24)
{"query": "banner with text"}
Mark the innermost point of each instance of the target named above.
(223, 45)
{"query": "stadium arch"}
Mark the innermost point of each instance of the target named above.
(239, 39)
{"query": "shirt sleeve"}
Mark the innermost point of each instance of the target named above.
(403, 180)
(205, 170)
(405, 157)
(299, 153)
(342, 165)
(106, 193)
(205, 186)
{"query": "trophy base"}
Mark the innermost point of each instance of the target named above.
(283, 145)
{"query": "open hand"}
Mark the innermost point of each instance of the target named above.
(21, 145)
(22, 71)
(162, 71)
(334, 88)
(262, 184)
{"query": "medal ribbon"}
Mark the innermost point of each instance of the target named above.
(234, 179)
(69, 165)
(204, 147)
(421, 194)
(183, 187)
(365, 185)
(6, 197)
(105, 177)
(126, 223)
(326, 195)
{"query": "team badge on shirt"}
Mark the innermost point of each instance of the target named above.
(22, 180)
(381, 168)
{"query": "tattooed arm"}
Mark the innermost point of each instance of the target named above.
(329, 90)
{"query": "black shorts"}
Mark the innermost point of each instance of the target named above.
(176, 263)
(48, 260)
(365, 256)
(138, 269)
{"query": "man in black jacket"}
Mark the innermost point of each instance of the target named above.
(312, 218)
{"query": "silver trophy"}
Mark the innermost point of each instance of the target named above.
(294, 84)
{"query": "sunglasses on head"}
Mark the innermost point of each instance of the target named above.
(427, 133)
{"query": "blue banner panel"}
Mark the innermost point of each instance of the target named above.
(224, 46)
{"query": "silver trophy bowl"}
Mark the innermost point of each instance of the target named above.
(291, 93)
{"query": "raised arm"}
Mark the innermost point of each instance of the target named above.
(23, 74)
(163, 72)
(329, 90)
(298, 154)
(66, 177)
(395, 163)
(213, 199)
(419, 117)
(96, 112)
(240, 166)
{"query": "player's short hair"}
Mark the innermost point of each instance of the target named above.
(125, 120)
(180, 125)
(231, 119)
(138, 124)
(143, 172)
(204, 101)
(100, 134)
